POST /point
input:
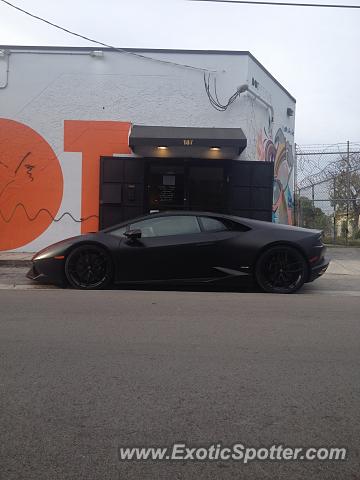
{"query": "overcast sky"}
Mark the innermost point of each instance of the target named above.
(313, 52)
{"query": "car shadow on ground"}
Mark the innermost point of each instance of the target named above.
(234, 285)
(245, 285)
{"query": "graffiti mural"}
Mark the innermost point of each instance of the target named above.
(279, 151)
(31, 177)
(31, 184)
(94, 139)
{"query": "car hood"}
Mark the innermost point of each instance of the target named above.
(63, 245)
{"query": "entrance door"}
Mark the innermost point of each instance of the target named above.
(188, 184)
(166, 187)
(207, 187)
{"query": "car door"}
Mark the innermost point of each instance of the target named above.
(228, 253)
(170, 247)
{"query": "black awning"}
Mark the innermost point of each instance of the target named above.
(153, 136)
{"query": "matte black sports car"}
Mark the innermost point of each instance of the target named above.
(186, 247)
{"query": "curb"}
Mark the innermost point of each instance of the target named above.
(15, 263)
(25, 286)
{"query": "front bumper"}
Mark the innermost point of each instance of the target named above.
(33, 274)
(319, 269)
(47, 270)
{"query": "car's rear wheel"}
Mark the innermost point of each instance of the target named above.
(89, 267)
(281, 269)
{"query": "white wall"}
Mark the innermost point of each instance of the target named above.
(47, 87)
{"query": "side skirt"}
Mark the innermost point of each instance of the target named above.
(229, 273)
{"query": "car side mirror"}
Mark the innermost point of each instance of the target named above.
(133, 234)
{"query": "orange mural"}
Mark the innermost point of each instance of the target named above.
(31, 184)
(94, 139)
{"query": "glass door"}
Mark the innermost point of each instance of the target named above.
(166, 187)
(186, 184)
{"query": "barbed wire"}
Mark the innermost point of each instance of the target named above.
(327, 195)
(319, 163)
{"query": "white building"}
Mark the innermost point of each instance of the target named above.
(68, 117)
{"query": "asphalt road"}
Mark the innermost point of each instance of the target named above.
(85, 372)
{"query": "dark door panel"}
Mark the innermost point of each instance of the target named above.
(121, 189)
(207, 187)
(159, 254)
(232, 249)
(251, 189)
(160, 258)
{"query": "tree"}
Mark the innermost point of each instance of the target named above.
(313, 217)
(344, 190)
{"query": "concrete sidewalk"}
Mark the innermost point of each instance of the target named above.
(15, 259)
(344, 260)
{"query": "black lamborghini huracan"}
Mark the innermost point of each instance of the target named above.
(186, 247)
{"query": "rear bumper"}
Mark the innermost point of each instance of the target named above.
(319, 269)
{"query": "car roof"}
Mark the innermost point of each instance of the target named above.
(247, 222)
(171, 213)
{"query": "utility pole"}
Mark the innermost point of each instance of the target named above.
(348, 191)
(334, 213)
(295, 189)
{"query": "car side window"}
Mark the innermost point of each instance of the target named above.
(213, 224)
(168, 225)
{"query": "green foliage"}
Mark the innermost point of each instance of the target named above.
(313, 217)
(344, 192)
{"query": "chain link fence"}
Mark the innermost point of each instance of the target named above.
(328, 191)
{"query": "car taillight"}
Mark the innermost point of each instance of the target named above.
(314, 259)
(320, 239)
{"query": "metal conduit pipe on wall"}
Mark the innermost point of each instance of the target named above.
(6, 54)
(246, 88)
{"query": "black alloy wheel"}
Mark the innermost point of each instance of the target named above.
(281, 269)
(89, 267)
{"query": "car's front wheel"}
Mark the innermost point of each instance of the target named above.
(88, 267)
(281, 269)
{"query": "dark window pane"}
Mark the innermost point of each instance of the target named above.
(213, 225)
(164, 226)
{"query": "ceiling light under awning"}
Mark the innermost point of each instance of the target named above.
(193, 142)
